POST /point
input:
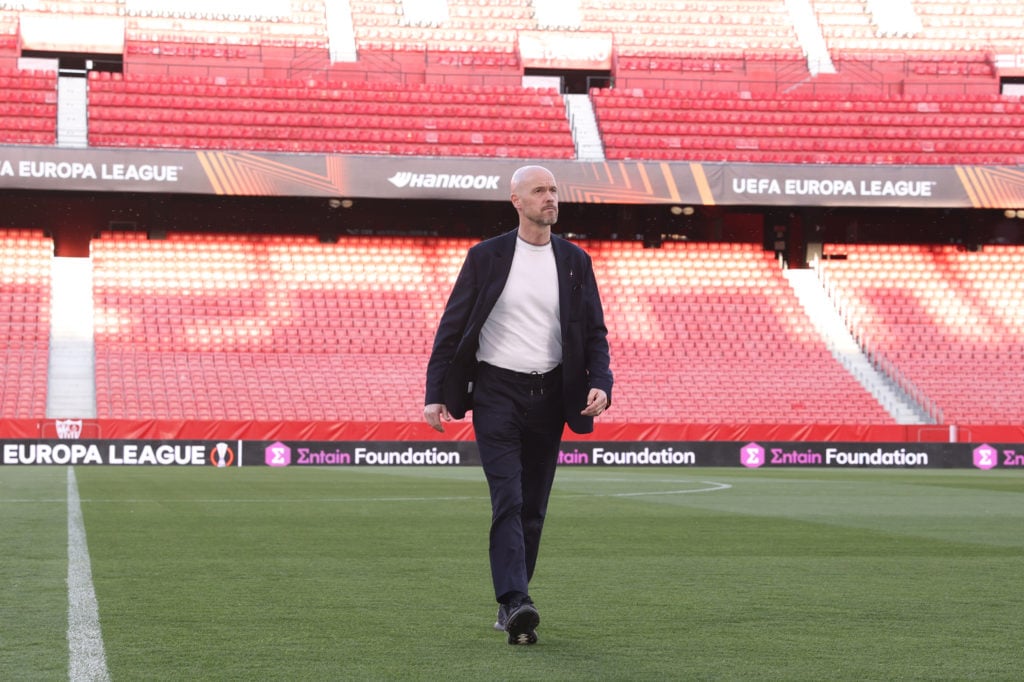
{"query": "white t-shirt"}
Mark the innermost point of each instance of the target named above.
(523, 332)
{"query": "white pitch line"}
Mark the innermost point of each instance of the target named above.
(87, 660)
(265, 500)
(711, 487)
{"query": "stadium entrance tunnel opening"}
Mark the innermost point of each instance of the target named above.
(570, 81)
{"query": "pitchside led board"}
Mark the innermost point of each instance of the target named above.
(238, 173)
(288, 454)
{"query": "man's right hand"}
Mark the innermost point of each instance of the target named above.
(435, 413)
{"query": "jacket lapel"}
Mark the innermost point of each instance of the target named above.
(498, 265)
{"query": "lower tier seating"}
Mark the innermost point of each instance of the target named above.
(947, 319)
(264, 328)
(287, 328)
(25, 257)
(713, 332)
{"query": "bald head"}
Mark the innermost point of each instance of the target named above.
(535, 196)
(526, 174)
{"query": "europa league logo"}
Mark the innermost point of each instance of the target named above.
(223, 456)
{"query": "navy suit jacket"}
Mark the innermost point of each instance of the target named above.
(585, 357)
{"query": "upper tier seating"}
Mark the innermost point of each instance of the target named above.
(737, 45)
(286, 328)
(949, 320)
(303, 116)
(943, 27)
(690, 28)
(509, 121)
(8, 31)
(637, 27)
(170, 29)
(25, 258)
(101, 7)
(644, 124)
(28, 107)
(700, 30)
(292, 23)
(469, 27)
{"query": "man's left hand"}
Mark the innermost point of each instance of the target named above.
(597, 402)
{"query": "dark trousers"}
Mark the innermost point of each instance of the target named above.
(518, 420)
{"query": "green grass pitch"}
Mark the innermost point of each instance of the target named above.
(645, 574)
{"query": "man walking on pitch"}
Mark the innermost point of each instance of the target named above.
(523, 344)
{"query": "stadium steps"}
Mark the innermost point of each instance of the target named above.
(341, 32)
(809, 34)
(71, 384)
(843, 347)
(72, 108)
(585, 133)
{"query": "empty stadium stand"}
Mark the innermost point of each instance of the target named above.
(470, 26)
(774, 128)
(943, 26)
(944, 321)
(24, 322)
(723, 81)
(731, 26)
(265, 327)
(467, 27)
(292, 23)
(699, 330)
(282, 328)
(287, 328)
(28, 107)
(357, 118)
(657, 29)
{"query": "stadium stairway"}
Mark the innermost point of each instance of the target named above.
(808, 32)
(585, 133)
(72, 111)
(341, 31)
(71, 383)
(844, 348)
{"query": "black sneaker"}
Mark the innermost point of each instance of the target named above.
(499, 623)
(521, 621)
